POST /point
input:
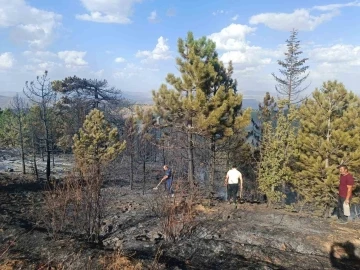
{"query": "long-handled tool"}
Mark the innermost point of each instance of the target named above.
(155, 188)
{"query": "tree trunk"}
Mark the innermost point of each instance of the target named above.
(131, 168)
(212, 165)
(163, 155)
(144, 173)
(48, 159)
(190, 161)
(96, 95)
(22, 147)
(34, 158)
(53, 155)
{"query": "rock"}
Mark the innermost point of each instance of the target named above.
(156, 236)
(9, 169)
(142, 237)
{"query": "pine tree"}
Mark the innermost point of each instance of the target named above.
(266, 113)
(40, 93)
(78, 97)
(8, 134)
(329, 136)
(90, 91)
(97, 142)
(293, 71)
(202, 100)
(96, 145)
(277, 151)
(19, 109)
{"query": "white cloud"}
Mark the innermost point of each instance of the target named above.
(232, 37)
(99, 73)
(245, 57)
(28, 24)
(153, 16)
(251, 57)
(332, 7)
(131, 70)
(39, 56)
(219, 12)
(39, 61)
(300, 19)
(39, 68)
(235, 17)
(6, 60)
(338, 56)
(73, 58)
(108, 11)
(160, 52)
(120, 60)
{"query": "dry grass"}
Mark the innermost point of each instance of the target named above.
(119, 261)
(11, 265)
(75, 205)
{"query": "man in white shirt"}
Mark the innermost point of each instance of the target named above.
(232, 182)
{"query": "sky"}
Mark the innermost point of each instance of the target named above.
(133, 43)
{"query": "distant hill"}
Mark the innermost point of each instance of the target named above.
(136, 97)
(250, 103)
(144, 98)
(5, 102)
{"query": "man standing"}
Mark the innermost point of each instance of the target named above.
(169, 179)
(345, 192)
(232, 182)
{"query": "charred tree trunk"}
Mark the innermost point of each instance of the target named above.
(190, 153)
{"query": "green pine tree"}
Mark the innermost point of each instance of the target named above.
(203, 100)
(329, 136)
(293, 72)
(97, 142)
(96, 145)
(278, 148)
(8, 134)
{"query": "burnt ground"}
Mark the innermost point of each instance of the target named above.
(251, 236)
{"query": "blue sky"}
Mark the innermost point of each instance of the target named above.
(132, 43)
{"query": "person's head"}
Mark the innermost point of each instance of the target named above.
(343, 169)
(233, 166)
(165, 167)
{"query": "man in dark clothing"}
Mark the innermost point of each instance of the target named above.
(169, 179)
(345, 192)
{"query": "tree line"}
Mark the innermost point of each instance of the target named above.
(293, 141)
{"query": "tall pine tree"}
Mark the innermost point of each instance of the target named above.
(277, 151)
(203, 100)
(293, 71)
(329, 136)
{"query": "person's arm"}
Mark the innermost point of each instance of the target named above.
(226, 179)
(241, 185)
(348, 194)
(349, 186)
(164, 178)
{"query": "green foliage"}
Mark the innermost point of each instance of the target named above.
(204, 97)
(278, 148)
(97, 142)
(78, 97)
(91, 92)
(329, 136)
(8, 134)
(293, 71)
(203, 100)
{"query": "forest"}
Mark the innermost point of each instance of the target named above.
(288, 151)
